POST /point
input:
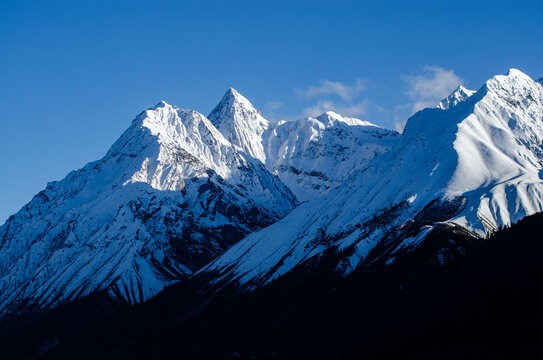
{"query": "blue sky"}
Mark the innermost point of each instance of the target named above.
(73, 74)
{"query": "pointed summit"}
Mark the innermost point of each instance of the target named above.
(233, 93)
(515, 72)
(241, 123)
(513, 79)
(515, 91)
(231, 101)
(230, 97)
(330, 117)
(161, 104)
(459, 95)
(164, 128)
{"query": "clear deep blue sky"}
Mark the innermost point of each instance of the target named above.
(73, 74)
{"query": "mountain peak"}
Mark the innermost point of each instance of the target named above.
(514, 88)
(514, 78)
(329, 117)
(461, 88)
(233, 93)
(515, 72)
(459, 95)
(161, 104)
(241, 123)
(232, 98)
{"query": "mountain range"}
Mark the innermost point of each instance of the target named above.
(234, 200)
(474, 161)
(172, 194)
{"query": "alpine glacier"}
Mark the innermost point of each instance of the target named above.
(474, 161)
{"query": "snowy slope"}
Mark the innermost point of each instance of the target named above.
(314, 155)
(476, 163)
(310, 155)
(170, 195)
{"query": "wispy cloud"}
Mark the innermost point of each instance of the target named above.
(400, 114)
(424, 90)
(429, 88)
(335, 96)
(327, 87)
(357, 109)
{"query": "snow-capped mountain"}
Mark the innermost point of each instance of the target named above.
(314, 155)
(475, 162)
(458, 95)
(243, 125)
(310, 155)
(178, 190)
(169, 196)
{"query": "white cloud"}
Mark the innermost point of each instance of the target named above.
(353, 110)
(433, 85)
(424, 89)
(400, 115)
(327, 87)
(346, 105)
